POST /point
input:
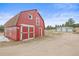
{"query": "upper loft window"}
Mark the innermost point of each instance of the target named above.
(30, 17)
(37, 21)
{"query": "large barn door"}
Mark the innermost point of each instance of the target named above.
(27, 32)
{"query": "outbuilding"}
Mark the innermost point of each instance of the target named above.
(64, 29)
(25, 25)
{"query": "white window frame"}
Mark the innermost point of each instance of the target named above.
(30, 16)
(37, 21)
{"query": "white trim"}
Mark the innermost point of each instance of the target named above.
(27, 25)
(21, 33)
(27, 32)
(37, 21)
(34, 32)
(30, 16)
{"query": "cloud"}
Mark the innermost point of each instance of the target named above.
(52, 13)
(0, 16)
(4, 17)
(65, 6)
(61, 18)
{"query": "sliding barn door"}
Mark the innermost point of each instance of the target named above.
(27, 32)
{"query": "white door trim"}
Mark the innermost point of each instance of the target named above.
(21, 33)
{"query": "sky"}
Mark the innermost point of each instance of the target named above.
(52, 13)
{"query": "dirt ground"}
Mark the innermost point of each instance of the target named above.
(53, 44)
(1, 33)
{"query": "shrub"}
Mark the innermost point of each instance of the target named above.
(1, 28)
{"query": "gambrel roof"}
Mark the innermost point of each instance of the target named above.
(13, 21)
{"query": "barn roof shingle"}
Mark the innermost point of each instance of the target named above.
(12, 21)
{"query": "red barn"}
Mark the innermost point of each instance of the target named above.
(25, 25)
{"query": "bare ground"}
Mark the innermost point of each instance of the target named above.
(53, 44)
(1, 33)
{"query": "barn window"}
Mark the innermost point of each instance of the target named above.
(37, 21)
(30, 17)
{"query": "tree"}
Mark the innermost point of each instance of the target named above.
(70, 22)
(67, 24)
(56, 26)
(1, 28)
(75, 25)
(50, 27)
(62, 25)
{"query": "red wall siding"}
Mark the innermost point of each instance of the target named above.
(41, 23)
(24, 19)
(18, 33)
(11, 32)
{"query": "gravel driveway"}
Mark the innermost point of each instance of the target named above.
(66, 44)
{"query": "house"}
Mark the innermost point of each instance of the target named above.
(64, 29)
(25, 25)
